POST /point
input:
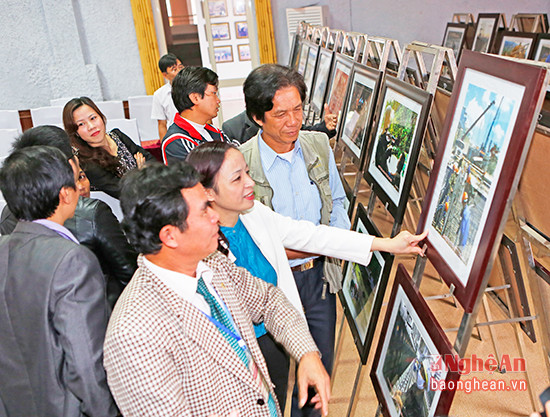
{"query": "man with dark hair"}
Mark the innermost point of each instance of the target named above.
(180, 340)
(195, 94)
(296, 176)
(93, 224)
(53, 312)
(163, 109)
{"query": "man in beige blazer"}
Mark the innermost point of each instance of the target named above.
(166, 354)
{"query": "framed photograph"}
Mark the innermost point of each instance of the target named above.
(322, 73)
(244, 52)
(517, 44)
(455, 37)
(363, 289)
(311, 63)
(294, 52)
(239, 7)
(402, 113)
(486, 29)
(220, 31)
(338, 85)
(223, 54)
(241, 30)
(302, 57)
(409, 373)
(542, 48)
(489, 124)
(359, 111)
(217, 8)
(511, 271)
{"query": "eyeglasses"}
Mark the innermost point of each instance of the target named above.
(212, 93)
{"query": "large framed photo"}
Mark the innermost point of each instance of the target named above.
(486, 29)
(220, 31)
(363, 289)
(223, 54)
(359, 111)
(517, 44)
(402, 114)
(322, 73)
(311, 63)
(217, 8)
(484, 142)
(409, 373)
(455, 37)
(338, 85)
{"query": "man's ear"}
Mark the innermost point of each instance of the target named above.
(195, 98)
(167, 236)
(65, 197)
(210, 194)
(258, 121)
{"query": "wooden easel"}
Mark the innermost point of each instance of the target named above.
(520, 22)
(463, 18)
(379, 48)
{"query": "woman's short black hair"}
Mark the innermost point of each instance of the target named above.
(31, 179)
(263, 82)
(191, 80)
(207, 159)
(151, 199)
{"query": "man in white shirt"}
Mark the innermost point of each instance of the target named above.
(163, 106)
(180, 340)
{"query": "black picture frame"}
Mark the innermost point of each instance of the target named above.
(491, 115)
(455, 37)
(311, 64)
(394, 147)
(411, 355)
(517, 44)
(320, 82)
(349, 203)
(363, 289)
(337, 89)
(486, 30)
(358, 112)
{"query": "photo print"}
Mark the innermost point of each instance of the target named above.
(484, 32)
(217, 8)
(483, 121)
(517, 45)
(321, 80)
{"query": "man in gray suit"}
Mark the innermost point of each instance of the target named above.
(53, 310)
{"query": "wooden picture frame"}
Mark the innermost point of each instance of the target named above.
(340, 74)
(396, 138)
(411, 356)
(220, 31)
(358, 112)
(517, 44)
(311, 64)
(217, 8)
(486, 30)
(455, 37)
(223, 54)
(320, 82)
(511, 270)
(239, 7)
(241, 30)
(489, 124)
(363, 289)
(244, 52)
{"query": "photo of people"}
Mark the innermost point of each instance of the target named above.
(515, 47)
(478, 139)
(395, 132)
(360, 287)
(483, 34)
(357, 114)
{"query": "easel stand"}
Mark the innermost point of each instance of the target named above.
(380, 48)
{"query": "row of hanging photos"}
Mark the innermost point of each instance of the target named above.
(339, 41)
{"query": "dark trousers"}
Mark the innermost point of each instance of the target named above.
(278, 363)
(321, 319)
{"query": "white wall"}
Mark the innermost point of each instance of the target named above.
(405, 20)
(64, 48)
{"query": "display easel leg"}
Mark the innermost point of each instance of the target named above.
(356, 385)
(339, 339)
(418, 272)
(491, 331)
(372, 202)
(464, 333)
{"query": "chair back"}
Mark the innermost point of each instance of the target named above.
(47, 116)
(7, 136)
(111, 109)
(128, 126)
(9, 119)
(140, 109)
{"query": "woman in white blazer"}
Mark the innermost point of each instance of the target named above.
(258, 236)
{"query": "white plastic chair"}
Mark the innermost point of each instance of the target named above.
(111, 109)
(140, 109)
(47, 116)
(7, 136)
(56, 102)
(9, 119)
(128, 126)
(112, 202)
